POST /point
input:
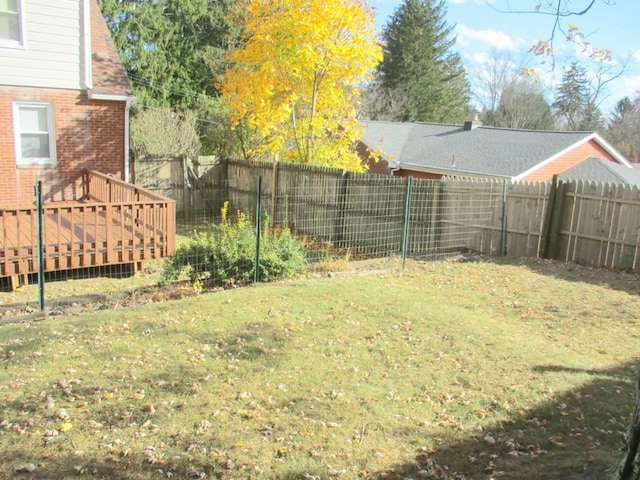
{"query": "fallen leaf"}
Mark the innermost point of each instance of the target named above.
(26, 468)
(65, 427)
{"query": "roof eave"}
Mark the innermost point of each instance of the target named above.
(110, 97)
(619, 157)
(393, 165)
(592, 136)
(448, 171)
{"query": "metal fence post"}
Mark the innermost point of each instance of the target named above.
(407, 214)
(256, 272)
(40, 255)
(274, 192)
(341, 205)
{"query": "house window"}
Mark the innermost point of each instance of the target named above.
(35, 138)
(11, 23)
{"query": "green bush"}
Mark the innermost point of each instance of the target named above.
(226, 255)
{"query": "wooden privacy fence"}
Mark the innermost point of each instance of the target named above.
(598, 224)
(187, 180)
(115, 223)
(371, 214)
(591, 223)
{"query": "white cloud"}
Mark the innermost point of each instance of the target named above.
(479, 57)
(466, 37)
(632, 85)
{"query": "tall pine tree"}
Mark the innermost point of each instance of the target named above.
(420, 65)
(171, 49)
(574, 105)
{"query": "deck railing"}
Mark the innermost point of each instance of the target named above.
(115, 223)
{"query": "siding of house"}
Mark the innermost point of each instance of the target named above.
(380, 166)
(566, 161)
(53, 54)
(89, 134)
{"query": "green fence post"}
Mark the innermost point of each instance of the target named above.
(40, 255)
(503, 238)
(407, 213)
(256, 272)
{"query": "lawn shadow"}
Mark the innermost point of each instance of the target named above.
(257, 341)
(579, 434)
(628, 282)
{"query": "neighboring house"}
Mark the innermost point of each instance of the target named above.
(432, 151)
(64, 99)
(599, 170)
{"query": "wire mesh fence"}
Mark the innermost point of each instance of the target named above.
(372, 215)
(332, 214)
(240, 218)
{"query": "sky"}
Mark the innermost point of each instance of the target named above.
(488, 29)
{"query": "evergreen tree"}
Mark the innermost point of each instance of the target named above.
(574, 106)
(592, 119)
(571, 97)
(624, 127)
(171, 49)
(419, 64)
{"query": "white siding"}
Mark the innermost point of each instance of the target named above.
(53, 52)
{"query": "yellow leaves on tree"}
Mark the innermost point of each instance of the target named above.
(575, 36)
(294, 83)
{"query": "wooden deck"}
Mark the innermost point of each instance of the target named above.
(115, 223)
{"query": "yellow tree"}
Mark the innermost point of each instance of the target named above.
(294, 82)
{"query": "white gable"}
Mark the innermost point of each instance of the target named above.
(52, 53)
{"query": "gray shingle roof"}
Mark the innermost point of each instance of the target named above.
(599, 170)
(490, 151)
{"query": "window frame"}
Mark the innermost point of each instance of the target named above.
(51, 160)
(21, 41)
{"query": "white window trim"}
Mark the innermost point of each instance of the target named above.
(22, 41)
(48, 161)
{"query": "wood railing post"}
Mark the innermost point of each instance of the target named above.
(551, 230)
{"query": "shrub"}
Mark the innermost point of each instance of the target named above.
(226, 255)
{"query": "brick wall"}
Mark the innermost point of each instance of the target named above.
(89, 134)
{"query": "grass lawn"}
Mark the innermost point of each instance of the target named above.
(444, 370)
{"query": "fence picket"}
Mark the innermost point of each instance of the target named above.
(598, 224)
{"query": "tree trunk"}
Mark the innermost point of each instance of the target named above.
(628, 467)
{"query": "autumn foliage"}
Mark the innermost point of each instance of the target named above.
(294, 83)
